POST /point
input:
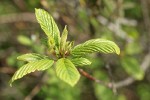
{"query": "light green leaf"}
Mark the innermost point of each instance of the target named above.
(48, 25)
(95, 45)
(80, 61)
(63, 39)
(31, 67)
(24, 40)
(29, 57)
(132, 67)
(66, 71)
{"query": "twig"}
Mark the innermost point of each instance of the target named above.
(37, 88)
(125, 82)
(116, 28)
(111, 78)
(115, 85)
(84, 73)
(128, 81)
(34, 91)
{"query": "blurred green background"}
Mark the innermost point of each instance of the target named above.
(126, 22)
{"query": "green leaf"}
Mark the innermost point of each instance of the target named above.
(66, 71)
(130, 48)
(29, 57)
(80, 61)
(24, 40)
(95, 45)
(63, 39)
(132, 67)
(48, 25)
(143, 90)
(31, 67)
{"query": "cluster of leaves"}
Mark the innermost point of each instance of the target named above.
(67, 56)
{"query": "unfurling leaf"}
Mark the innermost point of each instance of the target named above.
(51, 43)
(66, 71)
(61, 49)
(38, 65)
(48, 25)
(80, 61)
(95, 45)
(29, 57)
(69, 45)
(63, 39)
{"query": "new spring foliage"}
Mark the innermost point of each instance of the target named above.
(68, 56)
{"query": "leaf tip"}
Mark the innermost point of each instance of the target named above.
(90, 63)
(10, 83)
(18, 58)
(73, 84)
(65, 26)
(36, 9)
(118, 51)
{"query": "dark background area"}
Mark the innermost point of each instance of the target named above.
(126, 22)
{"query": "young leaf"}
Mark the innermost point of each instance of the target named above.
(29, 57)
(80, 61)
(95, 45)
(31, 67)
(51, 43)
(69, 45)
(48, 25)
(132, 67)
(66, 71)
(63, 39)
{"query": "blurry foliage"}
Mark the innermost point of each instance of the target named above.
(24, 40)
(12, 61)
(132, 67)
(56, 89)
(143, 91)
(83, 23)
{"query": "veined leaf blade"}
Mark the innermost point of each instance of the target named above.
(67, 72)
(48, 25)
(39, 65)
(95, 45)
(80, 61)
(29, 57)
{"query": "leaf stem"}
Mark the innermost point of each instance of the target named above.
(84, 73)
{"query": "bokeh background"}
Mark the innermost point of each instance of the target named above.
(126, 22)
